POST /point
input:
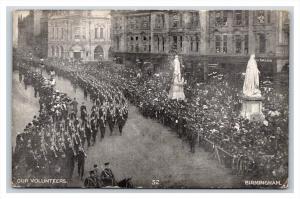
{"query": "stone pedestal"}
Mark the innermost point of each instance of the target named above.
(252, 108)
(176, 91)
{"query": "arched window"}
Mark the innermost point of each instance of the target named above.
(52, 51)
(191, 43)
(262, 43)
(101, 33)
(238, 44)
(158, 44)
(118, 43)
(61, 51)
(96, 33)
(57, 52)
(218, 43)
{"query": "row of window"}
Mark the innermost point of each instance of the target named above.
(99, 33)
(137, 38)
(139, 48)
(57, 33)
(242, 17)
(240, 44)
(176, 43)
(159, 44)
(221, 44)
(57, 51)
(137, 23)
(178, 20)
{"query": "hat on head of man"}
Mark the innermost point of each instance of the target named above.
(91, 172)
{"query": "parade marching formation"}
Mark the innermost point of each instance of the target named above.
(210, 116)
(56, 139)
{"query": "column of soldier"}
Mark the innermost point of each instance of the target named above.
(51, 144)
(211, 114)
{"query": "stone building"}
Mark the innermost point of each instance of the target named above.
(234, 35)
(33, 32)
(25, 30)
(136, 34)
(78, 34)
(41, 32)
(223, 38)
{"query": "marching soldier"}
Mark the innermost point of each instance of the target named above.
(81, 160)
(88, 133)
(101, 122)
(83, 112)
(82, 134)
(94, 129)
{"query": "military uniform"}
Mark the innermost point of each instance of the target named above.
(107, 177)
(91, 181)
(94, 129)
(81, 160)
(101, 123)
(88, 134)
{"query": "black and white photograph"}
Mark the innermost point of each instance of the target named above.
(150, 98)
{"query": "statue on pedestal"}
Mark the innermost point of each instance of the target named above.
(252, 99)
(176, 91)
(251, 83)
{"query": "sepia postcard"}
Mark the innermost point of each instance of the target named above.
(151, 99)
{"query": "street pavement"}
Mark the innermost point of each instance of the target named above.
(147, 151)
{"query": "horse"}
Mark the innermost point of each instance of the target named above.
(125, 183)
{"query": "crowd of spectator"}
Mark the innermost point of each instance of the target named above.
(210, 115)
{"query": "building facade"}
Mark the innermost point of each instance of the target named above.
(25, 30)
(33, 32)
(217, 37)
(83, 35)
(234, 35)
(136, 34)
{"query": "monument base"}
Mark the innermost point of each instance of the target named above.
(252, 108)
(176, 92)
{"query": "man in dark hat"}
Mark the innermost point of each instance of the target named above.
(97, 175)
(107, 176)
(96, 170)
(91, 181)
(83, 113)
